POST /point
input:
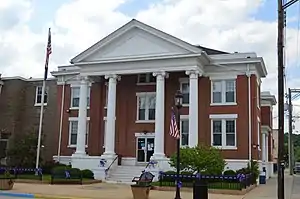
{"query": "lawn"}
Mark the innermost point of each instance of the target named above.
(47, 178)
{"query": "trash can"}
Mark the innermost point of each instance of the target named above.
(200, 190)
(262, 176)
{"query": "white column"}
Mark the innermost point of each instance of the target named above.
(267, 147)
(264, 148)
(82, 117)
(111, 115)
(193, 108)
(159, 115)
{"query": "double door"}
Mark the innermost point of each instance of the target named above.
(145, 149)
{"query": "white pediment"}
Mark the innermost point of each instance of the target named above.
(135, 40)
(136, 43)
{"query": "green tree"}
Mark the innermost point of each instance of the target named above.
(23, 151)
(204, 159)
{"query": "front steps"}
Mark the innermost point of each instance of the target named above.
(125, 174)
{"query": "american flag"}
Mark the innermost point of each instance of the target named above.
(173, 126)
(49, 51)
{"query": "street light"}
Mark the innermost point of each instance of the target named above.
(178, 103)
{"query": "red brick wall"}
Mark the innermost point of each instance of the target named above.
(126, 115)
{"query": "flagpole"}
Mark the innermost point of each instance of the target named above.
(38, 151)
(40, 127)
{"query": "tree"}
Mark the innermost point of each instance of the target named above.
(23, 151)
(204, 159)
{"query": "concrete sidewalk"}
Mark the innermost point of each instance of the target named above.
(99, 191)
(269, 190)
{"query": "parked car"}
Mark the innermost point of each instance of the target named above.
(297, 168)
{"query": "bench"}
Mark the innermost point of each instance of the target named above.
(145, 178)
(66, 176)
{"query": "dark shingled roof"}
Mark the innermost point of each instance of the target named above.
(210, 51)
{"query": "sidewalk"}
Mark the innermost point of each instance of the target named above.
(269, 190)
(99, 191)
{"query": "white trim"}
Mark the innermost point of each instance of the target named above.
(184, 81)
(144, 94)
(69, 138)
(183, 118)
(258, 119)
(223, 132)
(221, 76)
(142, 135)
(223, 116)
(89, 97)
(223, 93)
(36, 95)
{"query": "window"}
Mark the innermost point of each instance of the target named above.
(106, 95)
(185, 89)
(223, 132)
(146, 78)
(75, 95)
(184, 132)
(38, 96)
(146, 106)
(73, 131)
(258, 96)
(223, 91)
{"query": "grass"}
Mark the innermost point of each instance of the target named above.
(212, 185)
(46, 178)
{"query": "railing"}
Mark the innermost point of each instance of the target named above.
(107, 169)
(150, 163)
(21, 173)
(237, 182)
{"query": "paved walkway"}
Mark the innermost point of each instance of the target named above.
(100, 191)
(115, 191)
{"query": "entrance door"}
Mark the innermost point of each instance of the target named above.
(145, 149)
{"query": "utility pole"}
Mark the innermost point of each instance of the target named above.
(280, 163)
(280, 176)
(291, 128)
(290, 131)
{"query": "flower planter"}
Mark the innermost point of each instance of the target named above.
(140, 191)
(6, 184)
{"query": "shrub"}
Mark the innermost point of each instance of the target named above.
(201, 159)
(229, 173)
(88, 174)
(48, 166)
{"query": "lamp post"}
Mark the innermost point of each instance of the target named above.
(178, 104)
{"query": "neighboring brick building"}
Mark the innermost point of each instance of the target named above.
(126, 84)
(20, 101)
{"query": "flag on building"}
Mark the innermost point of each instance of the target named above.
(48, 52)
(174, 132)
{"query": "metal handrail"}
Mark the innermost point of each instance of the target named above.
(106, 170)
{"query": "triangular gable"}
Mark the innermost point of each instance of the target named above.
(148, 41)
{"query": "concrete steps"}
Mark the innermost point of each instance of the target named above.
(125, 174)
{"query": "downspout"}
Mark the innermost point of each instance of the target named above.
(249, 113)
(61, 121)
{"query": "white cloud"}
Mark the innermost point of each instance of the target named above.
(222, 24)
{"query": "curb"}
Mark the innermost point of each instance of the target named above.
(20, 195)
(41, 196)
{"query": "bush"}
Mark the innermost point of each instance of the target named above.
(48, 166)
(88, 174)
(229, 173)
(201, 159)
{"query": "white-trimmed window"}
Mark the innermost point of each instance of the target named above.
(223, 91)
(223, 131)
(146, 78)
(185, 90)
(75, 96)
(184, 130)
(38, 96)
(146, 107)
(258, 95)
(73, 131)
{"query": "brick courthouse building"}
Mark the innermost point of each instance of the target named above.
(115, 98)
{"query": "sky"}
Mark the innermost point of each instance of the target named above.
(227, 25)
